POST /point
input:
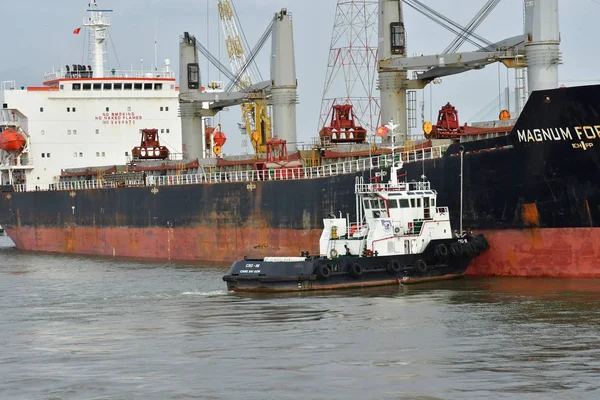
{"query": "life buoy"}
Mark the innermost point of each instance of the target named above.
(441, 251)
(333, 253)
(420, 266)
(393, 267)
(356, 270)
(322, 271)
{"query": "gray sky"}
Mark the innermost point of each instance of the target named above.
(38, 37)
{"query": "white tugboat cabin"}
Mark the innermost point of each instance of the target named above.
(394, 218)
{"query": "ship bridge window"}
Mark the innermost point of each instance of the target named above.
(43, 155)
(4, 105)
(128, 86)
(404, 203)
(107, 86)
(87, 86)
(392, 203)
(167, 108)
(413, 203)
(107, 109)
(74, 109)
(432, 201)
(418, 202)
(158, 86)
(367, 205)
(97, 86)
(41, 109)
(147, 86)
(137, 86)
(118, 86)
(162, 109)
(61, 88)
(68, 109)
(77, 86)
(374, 203)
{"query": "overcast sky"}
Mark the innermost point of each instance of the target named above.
(38, 36)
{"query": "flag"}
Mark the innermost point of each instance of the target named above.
(381, 131)
(76, 31)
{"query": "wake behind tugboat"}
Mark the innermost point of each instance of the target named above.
(400, 236)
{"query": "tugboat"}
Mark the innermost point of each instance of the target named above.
(401, 237)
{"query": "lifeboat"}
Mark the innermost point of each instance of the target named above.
(11, 140)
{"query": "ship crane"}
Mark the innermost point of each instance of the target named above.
(257, 122)
(537, 49)
(281, 90)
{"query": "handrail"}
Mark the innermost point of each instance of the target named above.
(322, 171)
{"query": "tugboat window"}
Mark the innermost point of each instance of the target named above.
(367, 205)
(77, 86)
(404, 203)
(118, 86)
(392, 203)
(398, 37)
(375, 203)
(108, 86)
(137, 86)
(128, 86)
(87, 86)
(432, 202)
(193, 76)
(158, 86)
(97, 86)
(147, 86)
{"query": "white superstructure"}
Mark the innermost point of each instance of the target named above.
(83, 116)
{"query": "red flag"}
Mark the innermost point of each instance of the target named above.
(381, 131)
(76, 31)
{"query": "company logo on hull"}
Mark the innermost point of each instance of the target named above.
(580, 137)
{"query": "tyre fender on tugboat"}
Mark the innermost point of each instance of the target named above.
(456, 249)
(393, 266)
(421, 266)
(323, 272)
(356, 270)
(441, 252)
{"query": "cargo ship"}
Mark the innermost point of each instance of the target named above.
(528, 184)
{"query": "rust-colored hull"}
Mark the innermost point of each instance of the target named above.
(540, 252)
(537, 252)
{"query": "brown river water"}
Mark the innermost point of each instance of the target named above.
(89, 328)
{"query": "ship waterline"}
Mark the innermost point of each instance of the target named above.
(535, 252)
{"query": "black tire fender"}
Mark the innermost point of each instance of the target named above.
(441, 251)
(420, 266)
(456, 249)
(356, 270)
(393, 267)
(323, 272)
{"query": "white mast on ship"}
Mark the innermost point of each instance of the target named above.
(98, 23)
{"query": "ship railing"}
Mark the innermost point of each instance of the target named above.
(128, 73)
(442, 211)
(347, 167)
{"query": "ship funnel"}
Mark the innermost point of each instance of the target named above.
(189, 80)
(283, 79)
(392, 84)
(542, 47)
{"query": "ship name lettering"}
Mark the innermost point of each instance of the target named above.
(543, 135)
(590, 132)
